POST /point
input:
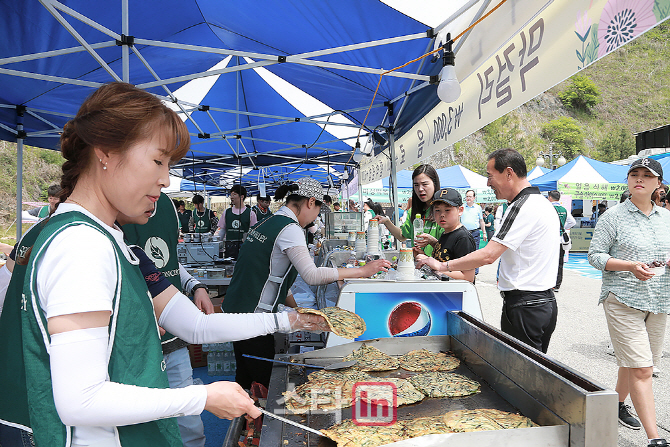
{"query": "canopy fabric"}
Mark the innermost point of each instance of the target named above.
(536, 172)
(582, 170)
(460, 177)
(289, 84)
(259, 83)
(267, 83)
(455, 176)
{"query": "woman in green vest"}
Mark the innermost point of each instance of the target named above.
(425, 182)
(271, 257)
(79, 339)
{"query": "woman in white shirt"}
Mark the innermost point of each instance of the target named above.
(90, 358)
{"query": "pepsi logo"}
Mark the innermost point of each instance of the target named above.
(409, 319)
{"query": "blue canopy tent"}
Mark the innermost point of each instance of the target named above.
(536, 172)
(455, 176)
(330, 54)
(581, 169)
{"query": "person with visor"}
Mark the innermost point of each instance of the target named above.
(272, 256)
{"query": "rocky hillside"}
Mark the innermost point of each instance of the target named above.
(633, 95)
(41, 168)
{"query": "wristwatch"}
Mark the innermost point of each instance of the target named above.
(199, 286)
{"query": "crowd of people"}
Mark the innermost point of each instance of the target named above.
(110, 231)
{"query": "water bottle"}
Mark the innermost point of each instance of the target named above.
(226, 363)
(418, 226)
(211, 363)
(218, 356)
(352, 259)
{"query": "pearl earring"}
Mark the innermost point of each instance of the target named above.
(104, 168)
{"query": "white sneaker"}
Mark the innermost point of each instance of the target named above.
(610, 349)
(656, 371)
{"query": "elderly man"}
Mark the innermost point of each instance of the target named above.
(527, 244)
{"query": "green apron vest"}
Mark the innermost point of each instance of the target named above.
(252, 270)
(237, 224)
(184, 219)
(135, 359)
(14, 405)
(202, 223)
(44, 211)
(159, 238)
(260, 215)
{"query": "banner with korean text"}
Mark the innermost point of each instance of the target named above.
(593, 191)
(563, 38)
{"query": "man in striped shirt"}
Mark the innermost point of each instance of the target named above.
(527, 244)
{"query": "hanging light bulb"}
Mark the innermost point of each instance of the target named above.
(540, 161)
(561, 160)
(345, 174)
(449, 89)
(358, 155)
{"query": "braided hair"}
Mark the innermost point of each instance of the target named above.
(113, 118)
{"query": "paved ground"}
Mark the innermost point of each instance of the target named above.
(581, 339)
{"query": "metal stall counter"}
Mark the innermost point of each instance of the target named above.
(568, 408)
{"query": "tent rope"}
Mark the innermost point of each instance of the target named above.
(418, 59)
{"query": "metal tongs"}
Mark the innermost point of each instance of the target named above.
(333, 366)
(304, 427)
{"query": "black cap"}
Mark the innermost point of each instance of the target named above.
(449, 196)
(649, 163)
(266, 198)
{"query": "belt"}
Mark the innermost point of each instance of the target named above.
(173, 345)
(515, 298)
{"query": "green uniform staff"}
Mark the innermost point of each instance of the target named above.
(203, 219)
(184, 216)
(271, 257)
(80, 346)
(53, 196)
(236, 221)
(425, 183)
(262, 208)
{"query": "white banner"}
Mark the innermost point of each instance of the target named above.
(562, 39)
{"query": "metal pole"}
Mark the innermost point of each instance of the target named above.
(394, 177)
(125, 50)
(19, 183)
(360, 197)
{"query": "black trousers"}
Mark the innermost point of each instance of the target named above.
(233, 249)
(251, 370)
(530, 317)
(559, 277)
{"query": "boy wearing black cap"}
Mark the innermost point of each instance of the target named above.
(456, 241)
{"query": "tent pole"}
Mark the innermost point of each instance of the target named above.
(19, 180)
(360, 198)
(394, 177)
(125, 53)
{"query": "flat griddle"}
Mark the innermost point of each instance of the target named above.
(570, 409)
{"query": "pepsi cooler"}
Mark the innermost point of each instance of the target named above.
(405, 308)
(570, 409)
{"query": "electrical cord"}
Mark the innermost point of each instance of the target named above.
(421, 57)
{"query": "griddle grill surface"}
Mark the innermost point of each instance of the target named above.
(486, 398)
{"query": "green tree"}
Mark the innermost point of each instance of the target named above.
(581, 94)
(617, 144)
(566, 135)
